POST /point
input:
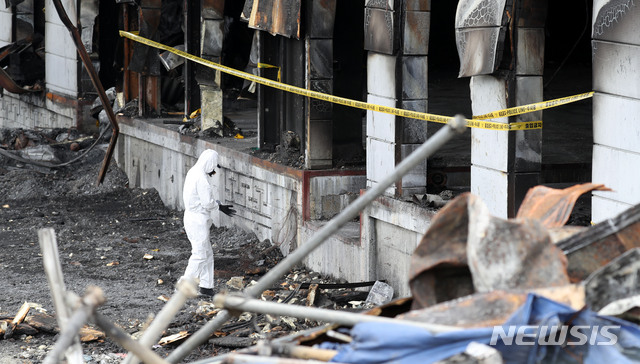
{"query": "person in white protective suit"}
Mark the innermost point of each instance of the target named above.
(199, 204)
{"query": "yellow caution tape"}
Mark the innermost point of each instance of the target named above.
(518, 110)
(265, 65)
(475, 123)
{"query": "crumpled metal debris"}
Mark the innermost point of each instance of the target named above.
(439, 270)
(466, 244)
(507, 254)
(598, 245)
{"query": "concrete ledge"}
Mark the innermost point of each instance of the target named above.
(391, 231)
(272, 200)
(50, 110)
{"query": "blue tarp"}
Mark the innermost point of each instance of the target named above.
(587, 338)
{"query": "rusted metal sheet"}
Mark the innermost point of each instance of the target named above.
(477, 310)
(552, 207)
(466, 244)
(280, 17)
(491, 308)
(442, 252)
(595, 247)
(416, 33)
(480, 33)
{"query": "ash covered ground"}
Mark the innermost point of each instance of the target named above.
(103, 234)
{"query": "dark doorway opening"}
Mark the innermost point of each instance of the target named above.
(349, 80)
(448, 95)
(567, 137)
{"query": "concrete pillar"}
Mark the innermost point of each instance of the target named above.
(61, 60)
(212, 36)
(616, 106)
(319, 77)
(504, 165)
(397, 38)
(6, 22)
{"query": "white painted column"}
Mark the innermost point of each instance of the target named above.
(397, 38)
(504, 165)
(616, 107)
(60, 52)
(6, 21)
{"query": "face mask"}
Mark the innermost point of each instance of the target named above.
(213, 172)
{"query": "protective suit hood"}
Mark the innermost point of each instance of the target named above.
(198, 194)
(207, 161)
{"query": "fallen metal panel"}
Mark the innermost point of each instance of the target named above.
(275, 16)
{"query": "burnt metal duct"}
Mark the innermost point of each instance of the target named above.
(480, 33)
(77, 40)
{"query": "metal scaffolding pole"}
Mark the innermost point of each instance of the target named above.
(244, 304)
(456, 126)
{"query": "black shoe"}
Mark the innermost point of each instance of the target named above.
(206, 292)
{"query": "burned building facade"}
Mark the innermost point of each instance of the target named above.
(470, 57)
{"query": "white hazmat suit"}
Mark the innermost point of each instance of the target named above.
(199, 203)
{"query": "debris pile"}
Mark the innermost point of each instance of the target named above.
(49, 148)
(485, 289)
(527, 289)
